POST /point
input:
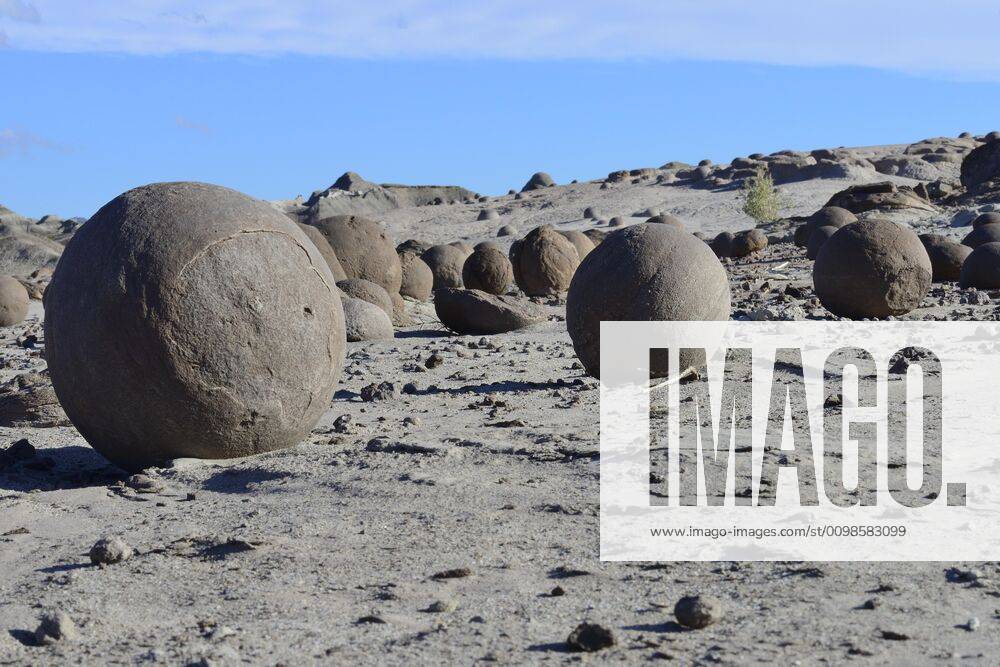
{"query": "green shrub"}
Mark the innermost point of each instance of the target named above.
(760, 199)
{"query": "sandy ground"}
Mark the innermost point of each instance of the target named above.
(485, 474)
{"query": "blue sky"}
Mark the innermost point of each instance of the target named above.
(278, 100)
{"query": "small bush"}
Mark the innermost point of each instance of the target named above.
(760, 199)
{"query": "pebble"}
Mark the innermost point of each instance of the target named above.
(590, 637)
(698, 611)
(442, 606)
(110, 550)
(379, 391)
(144, 484)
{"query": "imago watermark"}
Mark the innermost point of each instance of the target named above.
(800, 441)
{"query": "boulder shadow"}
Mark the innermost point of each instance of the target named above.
(59, 468)
(236, 480)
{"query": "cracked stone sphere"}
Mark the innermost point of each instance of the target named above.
(190, 320)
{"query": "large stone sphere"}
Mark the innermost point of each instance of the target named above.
(831, 216)
(488, 270)
(947, 257)
(648, 272)
(818, 238)
(580, 241)
(990, 218)
(872, 268)
(368, 291)
(364, 249)
(445, 262)
(418, 280)
(545, 262)
(189, 320)
(982, 234)
(982, 267)
(325, 249)
(13, 302)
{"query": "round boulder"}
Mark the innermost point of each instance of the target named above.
(365, 321)
(544, 263)
(983, 219)
(488, 270)
(325, 249)
(819, 236)
(831, 216)
(368, 291)
(473, 312)
(414, 246)
(445, 262)
(947, 257)
(190, 320)
(747, 242)
(538, 181)
(589, 213)
(981, 268)
(13, 301)
(981, 235)
(722, 244)
(418, 279)
(667, 219)
(488, 214)
(596, 236)
(644, 273)
(802, 233)
(872, 268)
(364, 249)
(580, 241)
(616, 221)
(507, 230)
(463, 246)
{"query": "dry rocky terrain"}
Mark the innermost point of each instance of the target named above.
(451, 515)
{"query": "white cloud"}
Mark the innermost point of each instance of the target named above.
(186, 123)
(956, 39)
(18, 141)
(19, 10)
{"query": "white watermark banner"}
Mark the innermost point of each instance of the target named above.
(800, 441)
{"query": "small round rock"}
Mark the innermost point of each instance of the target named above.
(698, 611)
(110, 550)
(589, 638)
